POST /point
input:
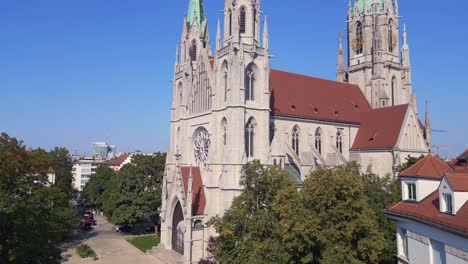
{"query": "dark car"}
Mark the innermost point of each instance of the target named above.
(88, 217)
(123, 228)
(85, 226)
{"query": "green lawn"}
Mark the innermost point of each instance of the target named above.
(144, 243)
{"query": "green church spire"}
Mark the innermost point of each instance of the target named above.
(195, 12)
(361, 5)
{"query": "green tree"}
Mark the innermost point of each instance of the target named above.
(135, 193)
(62, 164)
(249, 230)
(329, 220)
(410, 161)
(34, 218)
(382, 192)
(93, 193)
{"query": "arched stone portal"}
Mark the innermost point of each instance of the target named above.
(178, 230)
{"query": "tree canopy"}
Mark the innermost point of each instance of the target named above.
(331, 219)
(130, 195)
(34, 218)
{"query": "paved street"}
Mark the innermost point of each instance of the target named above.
(110, 246)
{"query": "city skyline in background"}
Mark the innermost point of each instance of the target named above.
(84, 71)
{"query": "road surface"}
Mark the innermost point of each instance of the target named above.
(110, 246)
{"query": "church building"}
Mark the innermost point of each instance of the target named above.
(230, 107)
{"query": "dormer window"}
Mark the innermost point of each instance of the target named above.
(448, 203)
(411, 188)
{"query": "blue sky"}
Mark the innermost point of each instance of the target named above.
(79, 71)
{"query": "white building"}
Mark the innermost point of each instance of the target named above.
(432, 217)
(51, 176)
(230, 107)
(83, 168)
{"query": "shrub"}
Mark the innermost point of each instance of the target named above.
(85, 251)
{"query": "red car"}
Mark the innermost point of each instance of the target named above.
(88, 217)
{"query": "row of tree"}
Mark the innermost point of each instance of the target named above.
(34, 218)
(336, 217)
(130, 195)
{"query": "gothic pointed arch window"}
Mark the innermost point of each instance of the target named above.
(230, 22)
(193, 51)
(224, 131)
(339, 141)
(359, 41)
(243, 18)
(254, 22)
(180, 93)
(318, 140)
(391, 40)
(225, 80)
(394, 88)
(295, 140)
(250, 78)
(250, 138)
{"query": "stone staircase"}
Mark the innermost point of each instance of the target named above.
(166, 256)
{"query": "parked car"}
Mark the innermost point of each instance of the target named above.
(123, 228)
(85, 225)
(88, 217)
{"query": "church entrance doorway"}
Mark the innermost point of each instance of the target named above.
(178, 230)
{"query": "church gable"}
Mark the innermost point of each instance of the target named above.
(411, 136)
(380, 128)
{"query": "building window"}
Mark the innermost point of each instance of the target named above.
(393, 90)
(295, 140)
(318, 140)
(224, 127)
(230, 22)
(250, 138)
(390, 36)
(250, 83)
(242, 20)
(411, 191)
(404, 242)
(438, 252)
(198, 224)
(193, 51)
(254, 21)
(448, 203)
(180, 92)
(339, 141)
(359, 41)
(225, 78)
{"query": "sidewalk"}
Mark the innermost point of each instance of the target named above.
(111, 248)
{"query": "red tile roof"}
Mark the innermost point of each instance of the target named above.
(428, 210)
(461, 162)
(198, 192)
(50, 171)
(380, 128)
(119, 160)
(458, 181)
(428, 167)
(303, 96)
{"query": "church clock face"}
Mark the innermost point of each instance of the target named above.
(201, 145)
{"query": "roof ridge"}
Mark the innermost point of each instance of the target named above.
(314, 77)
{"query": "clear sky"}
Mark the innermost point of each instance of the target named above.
(78, 71)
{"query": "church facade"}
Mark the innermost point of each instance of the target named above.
(230, 107)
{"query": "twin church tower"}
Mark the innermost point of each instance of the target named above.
(375, 61)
